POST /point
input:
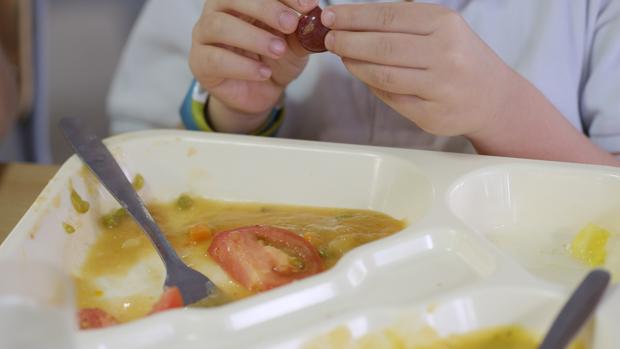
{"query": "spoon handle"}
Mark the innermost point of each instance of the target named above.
(101, 162)
(577, 310)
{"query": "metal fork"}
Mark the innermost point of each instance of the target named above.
(577, 310)
(193, 285)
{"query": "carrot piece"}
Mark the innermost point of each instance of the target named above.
(199, 233)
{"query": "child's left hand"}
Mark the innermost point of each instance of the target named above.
(425, 62)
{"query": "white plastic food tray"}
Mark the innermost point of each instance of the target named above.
(485, 245)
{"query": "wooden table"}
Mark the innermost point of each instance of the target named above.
(20, 184)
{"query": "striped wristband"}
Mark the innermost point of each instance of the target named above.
(194, 114)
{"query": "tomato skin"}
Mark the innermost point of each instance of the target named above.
(257, 257)
(92, 318)
(170, 299)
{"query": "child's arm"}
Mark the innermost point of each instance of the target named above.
(426, 63)
(548, 134)
(600, 99)
(529, 126)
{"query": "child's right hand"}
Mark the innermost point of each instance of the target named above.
(243, 55)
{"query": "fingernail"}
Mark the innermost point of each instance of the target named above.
(277, 47)
(328, 18)
(288, 21)
(329, 41)
(308, 3)
(264, 72)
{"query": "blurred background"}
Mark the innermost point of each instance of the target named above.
(76, 47)
(95, 33)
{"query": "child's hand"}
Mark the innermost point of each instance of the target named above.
(242, 54)
(424, 61)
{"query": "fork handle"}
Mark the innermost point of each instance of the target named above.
(103, 165)
(577, 310)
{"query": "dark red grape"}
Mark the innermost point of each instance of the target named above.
(311, 32)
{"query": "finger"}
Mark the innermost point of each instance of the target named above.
(397, 80)
(413, 108)
(401, 103)
(427, 115)
(222, 28)
(404, 17)
(396, 49)
(286, 68)
(301, 6)
(211, 65)
(275, 14)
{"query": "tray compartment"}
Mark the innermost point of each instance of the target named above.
(534, 212)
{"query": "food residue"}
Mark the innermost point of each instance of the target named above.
(590, 245)
(275, 245)
(401, 337)
(113, 219)
(69, 229)
(81, 206)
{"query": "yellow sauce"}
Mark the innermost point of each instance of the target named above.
(504, 337)
(508, 337)
(121, 246)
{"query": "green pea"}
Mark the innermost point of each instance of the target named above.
(138, 182)
(114, 219)
(185, 202)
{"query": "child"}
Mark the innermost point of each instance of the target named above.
(519, 78)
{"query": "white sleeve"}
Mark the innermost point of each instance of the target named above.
(600, 99)
(153, 75)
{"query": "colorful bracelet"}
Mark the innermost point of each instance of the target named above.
(194, 114)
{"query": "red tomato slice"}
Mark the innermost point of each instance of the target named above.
(90, 318)
(263, 257)
(170, 299)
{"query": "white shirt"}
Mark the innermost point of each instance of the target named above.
(570, 50)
